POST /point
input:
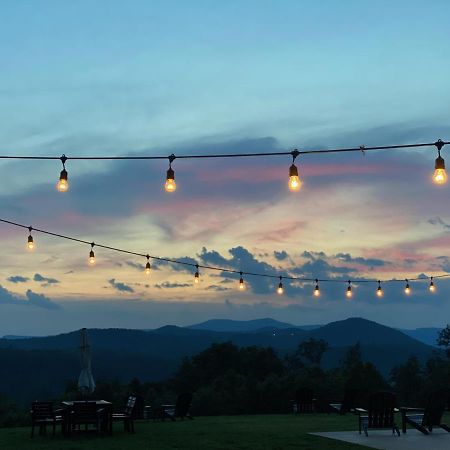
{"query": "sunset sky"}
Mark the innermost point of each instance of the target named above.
(154, 78)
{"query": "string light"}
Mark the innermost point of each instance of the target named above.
(349, 292)
(147, 266)
(170, 185)
(316, 289)
(63, 184)
(440, 175)
(379, 289)
(294, 181)
(432, 287)
(92, 254)
(31, 245)
(407, 288)
(30, 242)
(196, 275)
(241, 282)
(280, 289)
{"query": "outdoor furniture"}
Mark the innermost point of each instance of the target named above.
(180, 409)
(127, 417)
(304, 401)
(424, 419)
(380, 413)
(43, 414)
(348, 402)
(95, 413)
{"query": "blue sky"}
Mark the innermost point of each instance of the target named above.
(111, 78)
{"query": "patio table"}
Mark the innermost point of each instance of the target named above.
(101, 404)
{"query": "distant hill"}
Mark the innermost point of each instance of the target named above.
(240, 326)
(155, 354)
(426, 335)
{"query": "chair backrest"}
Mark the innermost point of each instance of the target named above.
(304, 398)
(41, 410)
(435, 407)
(131, 402)
(183, 404)
(84, 410)
(381, 410)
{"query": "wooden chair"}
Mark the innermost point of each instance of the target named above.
(43, 414)
(304, 401)
(87, 413)
(380, 413)
(127, 416)
(424, 419)
(348, 403)
(179, 410)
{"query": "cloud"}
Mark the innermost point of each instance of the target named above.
(371, 262)
(44, 280)
(437, 221)
(31, 299)
(168, 285)
(119, 286)
(281, 256)
(18, 279)
(216, 288)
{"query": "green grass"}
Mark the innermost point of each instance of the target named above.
(274, 432)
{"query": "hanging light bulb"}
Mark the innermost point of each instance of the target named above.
(294, 181)
(440, 175)
(407, 288)
(280, 289)
(379, 290)
(316, 289)
(147, 266)
(241, 283)
(170, 185)
(432, 287)
(30, 242)
(349, 292)
(92, 255)
(63, 184)
(196, 276)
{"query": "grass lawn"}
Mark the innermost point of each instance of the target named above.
(274, 432)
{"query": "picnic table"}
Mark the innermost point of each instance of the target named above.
(103, 409)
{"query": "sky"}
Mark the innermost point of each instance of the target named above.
(155, 78)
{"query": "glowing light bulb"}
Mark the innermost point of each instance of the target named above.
(432, 287)
(241, 283)
(63, 184)
(407, 288)
(316, 289)
(294, 180)
(440, 175)
(170, 185)
(280, 289)
(92, 255)
(30, 243)
(379, 290)
(196, 276)
(147, 266)
(349, 292)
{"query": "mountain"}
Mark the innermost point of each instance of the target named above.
(155, 354)
(244, 326)
(426, 335)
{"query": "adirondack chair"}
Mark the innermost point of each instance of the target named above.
(380, 413)
(43, 414)
(87, 413)
(304, 401)
(180, 409)
(348, 402)
(424, 419)
(127, 416)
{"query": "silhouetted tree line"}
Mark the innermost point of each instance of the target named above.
(226, 379)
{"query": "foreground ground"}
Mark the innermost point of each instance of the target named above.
(274, 432)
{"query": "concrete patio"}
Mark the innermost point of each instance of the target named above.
(384, 439)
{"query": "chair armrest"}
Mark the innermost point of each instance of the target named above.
(409, 409)
(361, 410)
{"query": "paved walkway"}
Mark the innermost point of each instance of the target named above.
(383, 439)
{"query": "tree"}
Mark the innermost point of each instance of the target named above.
(313, 350)
(353, 357)
(443, 339)
(409, 381)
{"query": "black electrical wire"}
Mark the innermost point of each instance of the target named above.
(439, 143)
(221, 269)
